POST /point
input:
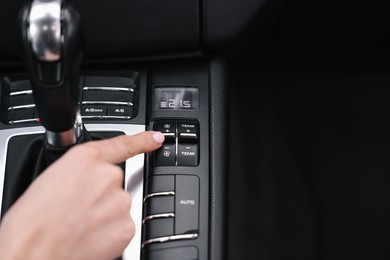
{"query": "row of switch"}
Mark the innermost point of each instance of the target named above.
(101, 102)
(106, 111)
(21, 104)
(103, 98)
(181, 146)
(171, 209)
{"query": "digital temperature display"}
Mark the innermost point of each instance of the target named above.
(174, 98)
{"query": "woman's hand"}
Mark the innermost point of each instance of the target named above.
(77, 208)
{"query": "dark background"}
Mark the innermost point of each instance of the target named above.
(309, 132)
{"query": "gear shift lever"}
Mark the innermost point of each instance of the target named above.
(51, 39)
(51, 49)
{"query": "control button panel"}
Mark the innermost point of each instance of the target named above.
(181, 146)
(171, 209)
(108, 98)
(21, 104)
(103, 98)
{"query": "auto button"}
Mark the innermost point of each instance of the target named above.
(187, 205)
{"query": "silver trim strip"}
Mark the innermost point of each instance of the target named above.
(159, 194)
(168, 134)
(156, 216)
(22, 92)
(134, 174)
(188, 135)
(21, 107)
(129, 104)
(107, 117)
(33, 120)
(169, 238)
(109, 89)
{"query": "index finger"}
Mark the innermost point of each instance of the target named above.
(119, 149)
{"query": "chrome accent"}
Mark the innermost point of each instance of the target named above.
(109, 89)
(169, 238)
(33, 120)
(168, 134)
(65, 138)
(163, 215)
(44, 31)
(21, 107)
(22, 92)
(79, 124)
(107, 117)
(68, 137)
(188, 135)
(129, 104)
(134, 173)
(159, 194)
(176, 149)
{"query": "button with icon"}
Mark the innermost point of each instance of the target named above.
(166, 155)
(168, 128)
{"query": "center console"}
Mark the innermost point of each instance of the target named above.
(55, 102)
(169, 187)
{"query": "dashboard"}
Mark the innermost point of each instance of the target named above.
(274, 115)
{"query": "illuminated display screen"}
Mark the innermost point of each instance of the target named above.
(174, 98)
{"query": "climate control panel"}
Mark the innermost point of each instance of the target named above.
(176, 192)
(181, 147)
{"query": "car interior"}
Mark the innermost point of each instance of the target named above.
(274, 114)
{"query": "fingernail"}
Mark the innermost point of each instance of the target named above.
(158, 137)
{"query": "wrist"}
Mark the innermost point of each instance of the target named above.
(15, 243)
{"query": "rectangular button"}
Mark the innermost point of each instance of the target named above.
(158, 228)
(21, 100)
(168, 128)
(119, 111)
(188, 155)
(21, 114)
(159, 205)
(165, 156)
(20, 85)
(187, 204)
(178, 253)
(107, 95)
(93, 110)
(188, 131)
(160, 183)
(105, 81)
(188, 126)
